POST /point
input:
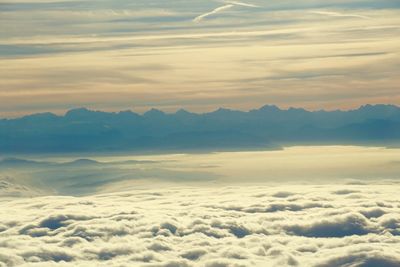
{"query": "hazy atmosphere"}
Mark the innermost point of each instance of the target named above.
(199, 133)
(197, 54)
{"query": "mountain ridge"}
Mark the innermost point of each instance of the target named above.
(269, 127)
(267, 107)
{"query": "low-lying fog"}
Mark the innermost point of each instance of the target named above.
(93, 174)
(302, 206)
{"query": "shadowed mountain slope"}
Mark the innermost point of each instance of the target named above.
(83, 130)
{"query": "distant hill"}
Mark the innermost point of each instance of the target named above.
(269, 127)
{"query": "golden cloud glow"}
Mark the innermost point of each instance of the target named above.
(115, 58)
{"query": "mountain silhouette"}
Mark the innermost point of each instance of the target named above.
(269, 127)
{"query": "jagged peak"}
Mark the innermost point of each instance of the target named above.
(154, 112)
(78, 111)
(43, 115)
(266, 108)
(269, 108)
(297, 110)
(128, 113)
(379, 106)
(223, 110)
(184, 112)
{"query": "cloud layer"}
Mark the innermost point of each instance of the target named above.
(296, 225)
(69, 176)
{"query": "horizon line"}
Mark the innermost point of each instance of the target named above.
(272, 106)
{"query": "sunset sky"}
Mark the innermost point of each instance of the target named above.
(197, 54)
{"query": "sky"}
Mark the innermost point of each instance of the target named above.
(197, 54)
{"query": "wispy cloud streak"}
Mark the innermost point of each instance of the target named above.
(56, 49)
(337, 14)
(229, 4)
(240, 4)
(215, 11)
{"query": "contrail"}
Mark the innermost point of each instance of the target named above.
(240, 4)
(215, 11)
(336, 14)
(229, 4)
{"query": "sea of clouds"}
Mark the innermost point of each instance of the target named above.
(354, 224)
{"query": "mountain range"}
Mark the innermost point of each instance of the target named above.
(269, 127)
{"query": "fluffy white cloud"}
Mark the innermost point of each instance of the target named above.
(297, 225)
